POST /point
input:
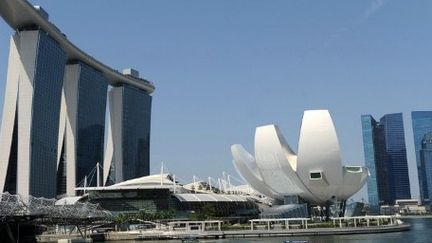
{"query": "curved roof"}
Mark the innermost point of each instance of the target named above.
(158, 179)
(192, 197)
(20, 14)
(68, 200)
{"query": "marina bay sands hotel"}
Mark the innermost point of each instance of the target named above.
(55, 124)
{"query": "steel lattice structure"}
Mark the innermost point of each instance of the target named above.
(39, 207)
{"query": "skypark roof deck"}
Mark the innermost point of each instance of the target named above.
(20, 14)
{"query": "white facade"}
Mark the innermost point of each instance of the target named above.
(9, 107)
(113, 153)
(315, 174)
(68, 124)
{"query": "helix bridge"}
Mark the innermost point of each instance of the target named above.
(27, 216)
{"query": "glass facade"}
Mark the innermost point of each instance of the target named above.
(92, 95)
(385, 156)
(38, 105)
(368, 124)
(426, 165)
(159, 199)
(422, 124)
(89, 119)
(133, 200)
(11, 177)
(47, 90)
(397, 158)
(136, 132)
(383, 167)
(61, 172)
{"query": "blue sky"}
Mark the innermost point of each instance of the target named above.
(221, 68)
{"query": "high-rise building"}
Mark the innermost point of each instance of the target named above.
(422, 125)
(130, 111)
(54, 112)
(385, 156)
(426, 166)
(368, 125)
(31, 110)
(82, 125)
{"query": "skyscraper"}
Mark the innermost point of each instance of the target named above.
(422, 125)
(368, 127)
(128, 157)
(31, 114)
(426, 166)
(82, 125)
(53, 122)
(385, 156)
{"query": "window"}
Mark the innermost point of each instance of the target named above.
(315, 175)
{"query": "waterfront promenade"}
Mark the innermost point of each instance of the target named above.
(259, 229)
(419, 233)
(256, 233)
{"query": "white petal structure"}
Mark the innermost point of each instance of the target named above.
(316, 174)
(250, 172)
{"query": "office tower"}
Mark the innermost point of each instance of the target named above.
(385, 156)
(426, 166)
(368, 125)
(129, 137)
(53, 122)
(422, 125)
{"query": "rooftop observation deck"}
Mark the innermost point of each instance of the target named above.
(20, 14)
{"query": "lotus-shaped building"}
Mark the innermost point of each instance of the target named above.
(315, 174)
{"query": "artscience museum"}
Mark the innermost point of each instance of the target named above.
(314, 175)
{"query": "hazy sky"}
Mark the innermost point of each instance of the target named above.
(221, 68)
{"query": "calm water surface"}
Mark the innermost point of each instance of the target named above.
(421, 231)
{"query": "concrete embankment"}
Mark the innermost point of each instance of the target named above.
(425, 216)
